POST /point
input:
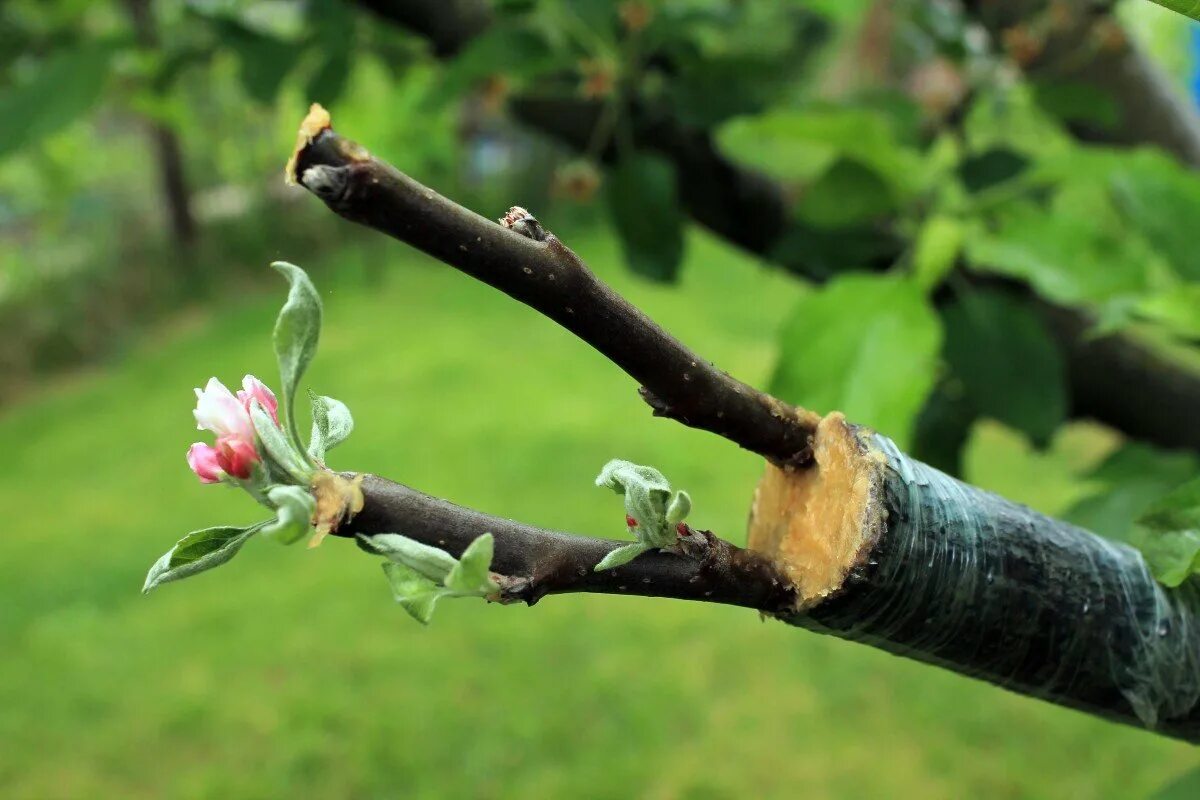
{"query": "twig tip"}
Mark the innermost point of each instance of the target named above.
(317, 120)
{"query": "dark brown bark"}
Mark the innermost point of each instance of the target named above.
(538, 562)
(548, 277)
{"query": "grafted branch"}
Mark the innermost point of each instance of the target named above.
(854, 538)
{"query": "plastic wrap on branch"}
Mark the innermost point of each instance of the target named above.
(931, 568)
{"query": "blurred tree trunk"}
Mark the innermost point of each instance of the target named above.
(167, 150)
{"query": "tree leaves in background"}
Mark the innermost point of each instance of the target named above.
(514, 50)
(847, 193)
(332, 24)
(65, 86)
(943, 427)
(991, 168)
(263, 61)
(1069, 254)
(1128, 482)
(1144, 497)
(936, 249)
(798, 146)
(1159, 197)
(644, 204)
(866, 345)
(1009, 366)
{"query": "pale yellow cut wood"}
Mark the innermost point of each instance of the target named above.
(820, 522)
(317, 120)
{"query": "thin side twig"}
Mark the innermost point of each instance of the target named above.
(537, 562)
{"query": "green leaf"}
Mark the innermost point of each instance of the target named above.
(278, 449)
(415, 593)
(1073, 253)
(622, 556)
(943, 428)
(1177, 510)
(1188, 8)
(433, 563)
(847, 193)
(1172, 556)
(1177, 310)
(646, 492)
(991, 168)
(1077, 102)
(1159, 197)
(800, 145)
(294, 507)
(866, 345)
(265, 61)
(1010, 367)
(1127, 483)
(332, 425)
(329, 80)
(644, 205)
(198, 551)
(517, 52)
(472, 573)
(937, 247)
(65, 87)
(296, 333)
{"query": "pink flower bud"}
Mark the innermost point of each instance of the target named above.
(254, 389)
(236, 455)
(205, 462)
(218, 411)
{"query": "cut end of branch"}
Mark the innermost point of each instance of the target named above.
(315, 121)
(820, 523)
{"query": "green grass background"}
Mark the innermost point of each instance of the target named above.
(290, 672)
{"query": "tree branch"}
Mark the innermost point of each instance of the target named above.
(540, 271)
(749, 209)
(539, 562)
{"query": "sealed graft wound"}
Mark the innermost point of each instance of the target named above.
(889, 551)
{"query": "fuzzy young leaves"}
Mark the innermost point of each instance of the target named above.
(649, 503)
(198, 551)
(296, 333)
(332, 425)
(866, 345)
(622, 556)
(431, 562)
(420, 575)
(472, 574)
(294, 507)
(415, 593)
